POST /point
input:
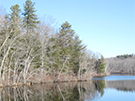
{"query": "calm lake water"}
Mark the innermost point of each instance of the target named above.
(117, 88)
(110, 88)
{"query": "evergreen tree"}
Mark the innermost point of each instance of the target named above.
(55, 56)
(66, 40)
(70, 45)
(102, 65)
(66, 35)
(15, 19)
(30, 18)
(15, 13)
(79, 49)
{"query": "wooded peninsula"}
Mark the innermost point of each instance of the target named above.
(34, 51)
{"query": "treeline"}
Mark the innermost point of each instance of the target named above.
(125, 56)
(32, 50)
(120, 65)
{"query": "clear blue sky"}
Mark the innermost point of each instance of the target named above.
(105, 26)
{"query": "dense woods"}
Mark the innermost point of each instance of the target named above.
(35, 51)
(121, 65)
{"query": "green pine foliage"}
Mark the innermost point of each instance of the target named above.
(66, 40)
(15, 12)
(30, 20)
(15, 19)
(68, 47)
(102, 65)
(79, 49)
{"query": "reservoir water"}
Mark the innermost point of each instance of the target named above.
(110, 88)
(117, 88)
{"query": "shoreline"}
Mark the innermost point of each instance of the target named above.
(71, 79)
(63, 80)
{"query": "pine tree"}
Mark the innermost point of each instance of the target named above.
(30, 18)
(102, 65)
(55, 56)
(66, 41)
(79, 49)
(15, 13)
(66, 35)
(15, 18)
(70, 45)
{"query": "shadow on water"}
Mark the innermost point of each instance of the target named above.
(73, 91)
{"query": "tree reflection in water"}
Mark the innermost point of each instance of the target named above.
(56, 92)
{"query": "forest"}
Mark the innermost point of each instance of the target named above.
(34, 51)
(121, 64)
